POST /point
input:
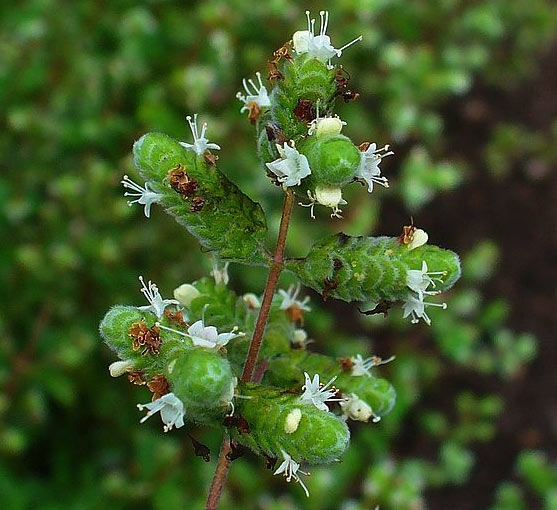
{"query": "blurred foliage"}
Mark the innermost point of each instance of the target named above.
(79, 83)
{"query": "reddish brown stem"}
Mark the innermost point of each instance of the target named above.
(223, 464)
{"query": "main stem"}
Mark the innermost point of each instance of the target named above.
(223, 465)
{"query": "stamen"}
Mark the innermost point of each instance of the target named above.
(340, 50)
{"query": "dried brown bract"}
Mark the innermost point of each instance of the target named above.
(274, 73)
(210, 158)
(176, 317)
(136, 377)
(407, 233)
(146, 339)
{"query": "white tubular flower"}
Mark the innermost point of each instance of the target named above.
(361, 366)
(145, 196)
(171, 409)
(318, 394)
(327, 196)
(205, 336)
(220, 274)
(186, 293)
(291, 167)
(290, 469)
(356, 409)
(419, 238)
(290, 299)
(419, 280)
(255, 93)
(119, 368)
(318, 46)
(200, 143)
(414, 306)
(369, 170)
(157, 304)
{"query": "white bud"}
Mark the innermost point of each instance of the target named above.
(419, 238)
(292, 421)
(356, 409)
(329, 196)
(326, 126)
(300, 337)
(119, 368)
(252, 301)
(186, 293)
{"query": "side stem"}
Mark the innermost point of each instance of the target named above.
(223, 465)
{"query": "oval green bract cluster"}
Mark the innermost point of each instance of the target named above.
(213, 209)
(309, 434)
(370, 269)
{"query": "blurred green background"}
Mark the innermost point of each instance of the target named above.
(464, 90)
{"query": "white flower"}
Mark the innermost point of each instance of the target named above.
(369, 170)
(220, 274)
(157, 304)
(318, 46)
(291, 167)
(205, 336)
(200, 143)
(419, 280)
(300, 338)
(361, 366)
(146, 196)
(290, 299)
(419, 238)
(186, 293)
(256, 94)
(327, 196)
(119, 368)
(171, 409)
(290, 469)
(356, 409)
(318, 394)
(414, 306)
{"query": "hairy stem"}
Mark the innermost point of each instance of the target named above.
(223, 465)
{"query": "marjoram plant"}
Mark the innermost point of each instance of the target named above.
(240, 363)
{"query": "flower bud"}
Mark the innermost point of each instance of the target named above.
(186, 293)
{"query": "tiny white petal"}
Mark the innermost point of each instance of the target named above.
(119, 368)
(291, 167)
(171, 410)
(419, 238)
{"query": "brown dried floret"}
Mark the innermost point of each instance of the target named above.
(197, 204)
(210, 158)
(159, 386)
(304, 110)
(407, 233)
(177, 317)
(181, 182)
(146, 339)
(136, 377)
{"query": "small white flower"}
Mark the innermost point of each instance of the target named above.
(205, 336)
(252, 301)
(200, 143)
(256, 94)
(300, 338)
(292, 421)
(419, 238)
(318, 46)
(291, 167)
(369, 170)
(327, 196)
(361, 366)
(171, 409)
(220, 274)
(318, 394)
(356, 409)
(419, 280)
(157, 304)
(146, 196)
(414, 306)
(290, 469)
(186, 293)
(119, 368)
(290, 299)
